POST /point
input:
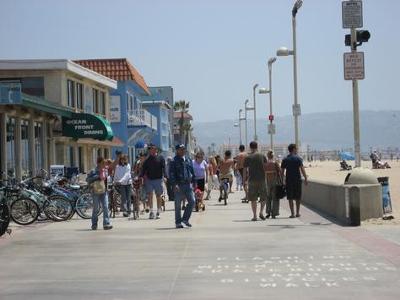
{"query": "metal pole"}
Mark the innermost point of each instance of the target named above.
(295, 112)
(255, 115)
(240, 126)
(245, 124)
(356, 112)
(270, 106)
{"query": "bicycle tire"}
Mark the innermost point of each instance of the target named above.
(84, 206)
(24, 211)
(58, 208)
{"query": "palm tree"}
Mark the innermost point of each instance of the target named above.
(187, 130)
(183, 107)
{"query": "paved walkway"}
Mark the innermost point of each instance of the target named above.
(224, 256)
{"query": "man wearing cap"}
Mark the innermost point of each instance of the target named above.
(153, 172)
(181, 176)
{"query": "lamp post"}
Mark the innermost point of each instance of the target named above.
(246, 108)
(283, 51)
(239, 124)
(255, 110)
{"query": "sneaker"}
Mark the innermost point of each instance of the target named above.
(94, 227)
(187, 224)
(151, 216)
(107, 227)
(125, 214)
(179, 226)
(157, 215)
(254, 219)
(262, 217)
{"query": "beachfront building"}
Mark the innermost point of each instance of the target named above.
(52, 112)
(131, 121)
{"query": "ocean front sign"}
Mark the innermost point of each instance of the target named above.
(86, 126)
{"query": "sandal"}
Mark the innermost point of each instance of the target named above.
(262, 217)
(298, 216)
(254, 219)
(292, 217)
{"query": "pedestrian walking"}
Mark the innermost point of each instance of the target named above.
(254, 174)
(181, 175)
(226, 171)
(239, 162)
(200, 168)
(153, 173)
(291, 166)
(170, 188)
(273, 172)
(97, 182)
(123, 183)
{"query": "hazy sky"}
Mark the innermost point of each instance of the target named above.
(212, 52)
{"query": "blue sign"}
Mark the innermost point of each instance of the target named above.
(10, 93)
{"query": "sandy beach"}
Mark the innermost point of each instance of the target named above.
(330, 171)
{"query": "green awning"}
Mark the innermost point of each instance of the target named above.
(45, 106)
(82, 125)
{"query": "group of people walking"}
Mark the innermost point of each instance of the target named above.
(262, 177)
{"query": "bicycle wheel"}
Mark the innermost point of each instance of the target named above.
(4, 218)
(84, 206)
(24, 211)
(58, 208)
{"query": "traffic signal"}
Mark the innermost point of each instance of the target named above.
(362, 37)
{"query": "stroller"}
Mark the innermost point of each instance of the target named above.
(344, 166)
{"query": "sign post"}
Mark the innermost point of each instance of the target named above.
(352, 18)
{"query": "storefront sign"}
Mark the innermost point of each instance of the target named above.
(57, 170)
(10, 93)
(87, 126)
(115, 109)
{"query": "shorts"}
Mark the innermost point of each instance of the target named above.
(226, 176)
(241, 172)
(257, 189)
(154, 185)
(200, 184)
(293, 190)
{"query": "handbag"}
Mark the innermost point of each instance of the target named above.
(99, 187)
(280, 190)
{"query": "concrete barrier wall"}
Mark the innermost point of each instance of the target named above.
(349, 204)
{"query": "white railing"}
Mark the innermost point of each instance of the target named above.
(141, 117)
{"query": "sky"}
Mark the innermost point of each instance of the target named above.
(213, 52)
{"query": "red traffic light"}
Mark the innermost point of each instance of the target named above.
(271, 117)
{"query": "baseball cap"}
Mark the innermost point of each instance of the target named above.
(179, 146)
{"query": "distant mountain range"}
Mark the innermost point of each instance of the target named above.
(322, 131)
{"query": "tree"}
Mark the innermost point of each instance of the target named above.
(183, 107)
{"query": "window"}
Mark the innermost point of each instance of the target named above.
(80, 160)
(10, 146)
(106, 153)
(70, 93)
(38, 146)
(79, 95)
(96, 101)
(130, 105)
(25, 148)
(102, 103)
(33, 86)
(70, 156)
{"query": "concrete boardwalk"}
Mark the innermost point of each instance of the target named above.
(224, 256)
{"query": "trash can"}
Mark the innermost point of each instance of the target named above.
(386, 200)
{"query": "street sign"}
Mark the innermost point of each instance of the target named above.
(271, 129)
(353, 65)
(271, 117)
(352, 16)
(296, 110)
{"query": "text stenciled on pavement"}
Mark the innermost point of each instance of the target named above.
(293, 271)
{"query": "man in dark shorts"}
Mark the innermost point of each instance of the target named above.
(254, 174)
(293, 165)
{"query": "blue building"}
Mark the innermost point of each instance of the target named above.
(131, 122)
(160, 103)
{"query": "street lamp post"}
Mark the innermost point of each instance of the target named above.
(239, 124)
(254, 108)
(246, 108)
(285, 52)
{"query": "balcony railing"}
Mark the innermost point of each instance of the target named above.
(141, 117)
